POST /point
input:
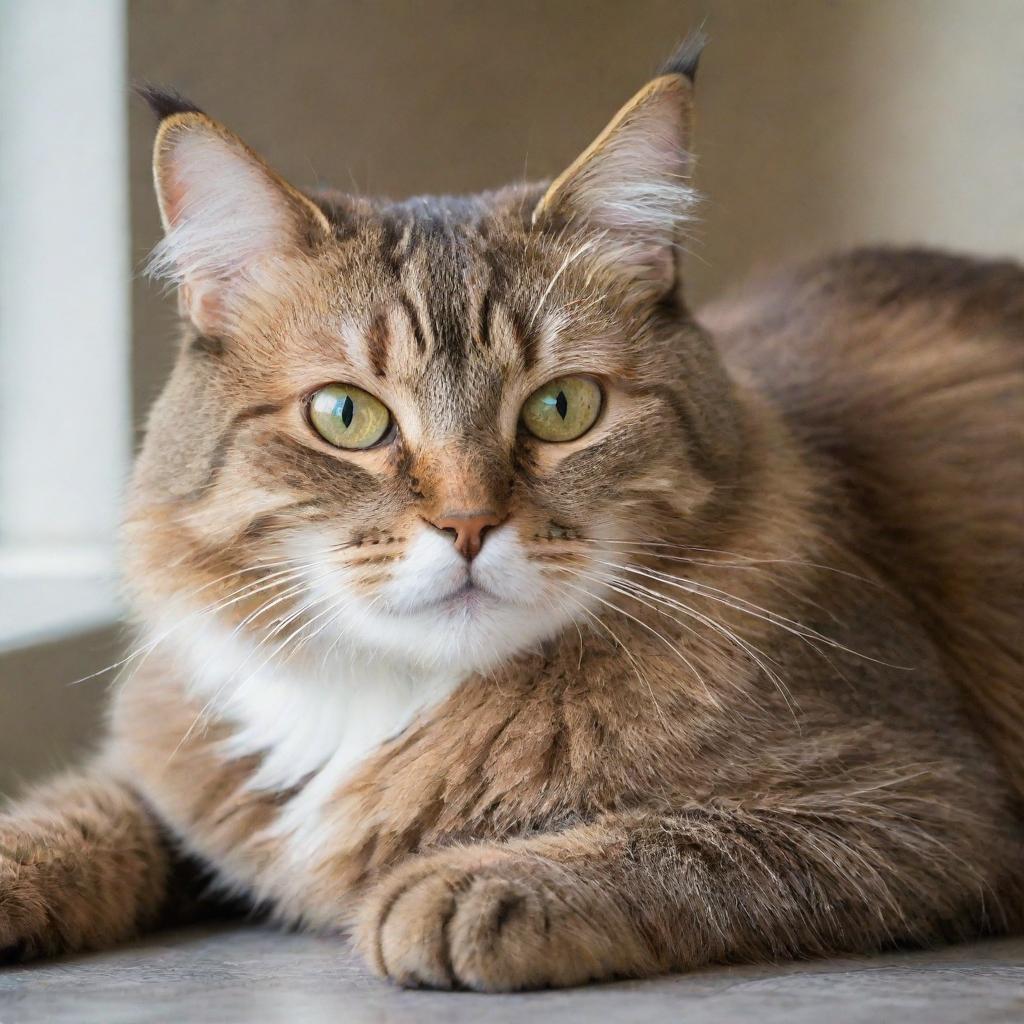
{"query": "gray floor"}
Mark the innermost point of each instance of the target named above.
(258, 975)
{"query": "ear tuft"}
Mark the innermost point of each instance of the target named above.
(631, 188)
(686, 57)
(235, 231)
(165, 102)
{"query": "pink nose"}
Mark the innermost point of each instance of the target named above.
(468, 531)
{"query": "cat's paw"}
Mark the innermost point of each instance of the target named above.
(480, 919)
(23, 914)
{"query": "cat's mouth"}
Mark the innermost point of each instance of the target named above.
(465, 598)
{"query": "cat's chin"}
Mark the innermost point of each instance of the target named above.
(468, 599)
(469, 630)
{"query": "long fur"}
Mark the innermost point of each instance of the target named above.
(735, 675)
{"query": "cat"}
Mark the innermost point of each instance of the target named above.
(498, 611)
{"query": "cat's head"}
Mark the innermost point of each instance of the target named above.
(425, 428)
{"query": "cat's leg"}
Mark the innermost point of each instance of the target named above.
(640, 895)
(83, 864)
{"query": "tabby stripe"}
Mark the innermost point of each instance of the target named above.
(447, 306)
(207, 345)
(224, 443)
(701, 451)
(524, 332)
(527, 337)
(318, 468)
(414, 319)
(390, 241)
(483, 330)
(378, 338)
(267, 522)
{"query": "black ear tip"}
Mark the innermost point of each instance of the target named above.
(686, 57)
(165, 102)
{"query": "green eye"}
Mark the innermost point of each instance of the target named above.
(348, 417)
(563, 409)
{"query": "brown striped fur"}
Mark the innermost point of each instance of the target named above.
(783, 714)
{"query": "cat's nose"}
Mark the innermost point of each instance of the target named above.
(467, 531)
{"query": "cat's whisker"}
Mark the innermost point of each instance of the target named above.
(261, 609)
(341, 603)
(634, 590)
(234, 597)
(806, 633)
(215, 698)
(304, 584)
(581, 250)
(625, 650)
(742, 560)
(763, 566)
(664, 639)
(638, 594)
(332, 612)
(807, 637)
(283, 579)
(272, 602)
(149, 644)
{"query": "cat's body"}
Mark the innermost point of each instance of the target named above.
(762, 698)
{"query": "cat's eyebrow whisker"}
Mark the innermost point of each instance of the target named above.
(589, 244)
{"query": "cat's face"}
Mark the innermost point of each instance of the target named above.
(427, 429)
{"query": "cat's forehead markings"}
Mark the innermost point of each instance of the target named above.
(344, 342)
(368, 343)
(395, 242)
(378, 343)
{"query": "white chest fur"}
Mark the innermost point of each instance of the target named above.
(314, 720)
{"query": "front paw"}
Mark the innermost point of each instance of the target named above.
(480, 919)
(23, 912)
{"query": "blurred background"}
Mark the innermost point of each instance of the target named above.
(821, 125)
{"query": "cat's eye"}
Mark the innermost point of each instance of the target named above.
(348, 417)
(562, 409)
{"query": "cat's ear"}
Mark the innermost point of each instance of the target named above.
(232, 227)
(631, 188)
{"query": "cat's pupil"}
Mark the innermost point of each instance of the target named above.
(562, 404)
(347, 410)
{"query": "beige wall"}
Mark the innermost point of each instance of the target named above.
(833, 124)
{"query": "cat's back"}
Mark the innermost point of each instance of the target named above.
(903, 372)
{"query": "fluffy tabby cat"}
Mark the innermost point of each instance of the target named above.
(497, 610)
